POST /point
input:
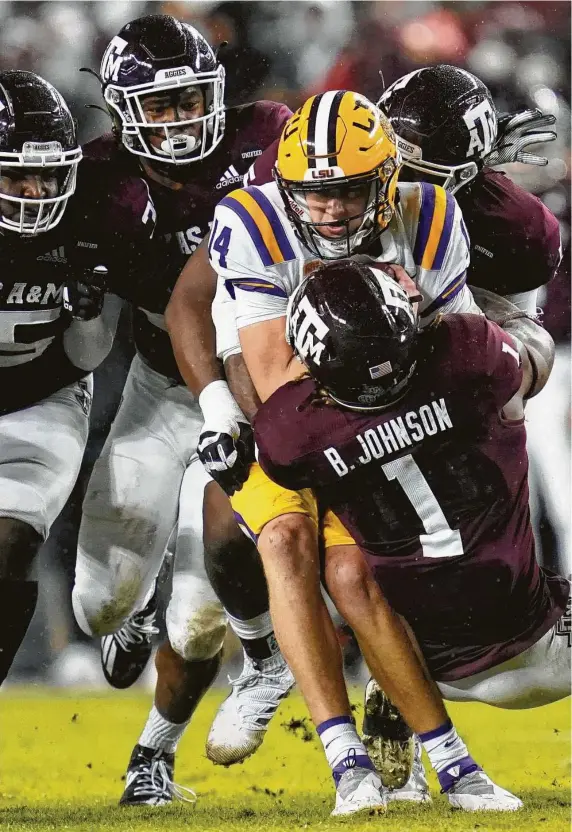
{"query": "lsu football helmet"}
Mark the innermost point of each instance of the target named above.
(336, 143)
(37, 139)
(446, 124)
(356, 330)
(158, 54)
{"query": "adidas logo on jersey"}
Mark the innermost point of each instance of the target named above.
(55, 256)
(229, 177)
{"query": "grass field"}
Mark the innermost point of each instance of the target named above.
(63, 758)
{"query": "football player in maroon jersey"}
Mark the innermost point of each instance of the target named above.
(417, 443)
(164, 88)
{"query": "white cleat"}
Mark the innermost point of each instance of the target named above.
(475, 792)
(416, 790)
(242, 720)
(359, 790)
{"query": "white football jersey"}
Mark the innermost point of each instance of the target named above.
(260, 260)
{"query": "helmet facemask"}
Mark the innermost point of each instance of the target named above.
(449, 177)
(46, 160)
(379, 189)
(178, 146)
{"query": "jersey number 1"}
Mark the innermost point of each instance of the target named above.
(439, 540)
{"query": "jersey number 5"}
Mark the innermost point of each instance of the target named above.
(220, 242)
(439, 540)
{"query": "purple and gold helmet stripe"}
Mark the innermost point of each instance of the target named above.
(451, 290)
(332, 125)
(262, 223)
(322, 125)
(311, 139)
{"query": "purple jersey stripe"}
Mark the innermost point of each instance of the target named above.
(446, 233)
(251, 227)
(455, 286)
(240, 520)
(251, 285)
(426, 212)
(270, 212)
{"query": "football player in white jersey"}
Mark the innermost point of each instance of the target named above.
(335, 195)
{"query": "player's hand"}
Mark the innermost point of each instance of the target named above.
(83, 298)
(227, 455)
(517, 131)
(226, 443)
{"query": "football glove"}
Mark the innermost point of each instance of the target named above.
(226, 444)
(517, 131)
(83, 298)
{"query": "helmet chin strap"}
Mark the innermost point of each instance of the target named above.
(179, 145)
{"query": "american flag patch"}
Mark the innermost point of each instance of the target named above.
(380, 370)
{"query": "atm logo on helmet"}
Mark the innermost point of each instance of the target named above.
(309, 332)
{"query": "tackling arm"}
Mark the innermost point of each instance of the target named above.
(537, 344)
(269, 358)
(189, 322)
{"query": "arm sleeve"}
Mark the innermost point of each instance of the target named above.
(258, 290)
(492, 362)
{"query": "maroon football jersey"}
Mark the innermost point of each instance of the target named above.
(515, 239)
(434, 490)
(184, 216)
(104, 222)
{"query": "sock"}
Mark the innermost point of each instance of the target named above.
(160, 734)
(256, 636)
(342, 745)
(448, 754)
(17, 604)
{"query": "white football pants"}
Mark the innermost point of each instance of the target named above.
(146, 493)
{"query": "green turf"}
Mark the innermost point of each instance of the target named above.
(63, 758)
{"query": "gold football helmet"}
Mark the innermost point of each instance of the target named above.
(335, 144)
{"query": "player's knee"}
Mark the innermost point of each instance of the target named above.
(19, 543)
(200, 636)
(347, 576)
(101, 602)
(293, 539)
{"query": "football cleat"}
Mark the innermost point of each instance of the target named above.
(149, 780)
(475, 792)
(242, 720)
(125, 653)
(388, 739)
(416, 790)
(359, 790)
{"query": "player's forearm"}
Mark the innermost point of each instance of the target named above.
(241, 385)
(87, 343)
(536, 340)
(269, 359)
(193, 338)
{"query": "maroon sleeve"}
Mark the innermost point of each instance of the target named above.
(482, 356)
(515, 239)
(276, 115)
(260, 172)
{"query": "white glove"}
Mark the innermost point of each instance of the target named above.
(518, 131)
(226, 443)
